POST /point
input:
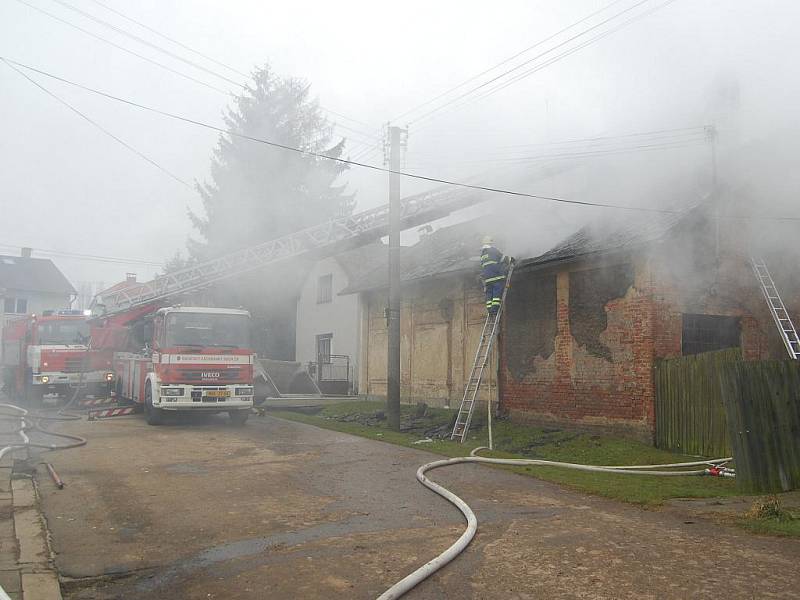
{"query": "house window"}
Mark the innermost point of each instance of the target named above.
(15, 306)
(325, 289)
(324, 348)
(704, 333)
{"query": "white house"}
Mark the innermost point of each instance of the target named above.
(328, 329)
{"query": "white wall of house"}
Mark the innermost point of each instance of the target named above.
(339, 316)
(35, 303)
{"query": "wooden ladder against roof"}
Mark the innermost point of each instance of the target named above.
(488, 334)
(777, 308)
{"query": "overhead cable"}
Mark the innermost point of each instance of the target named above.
(323, 156)
(124, 49)
(94, 257)
(506, 61)
(161, 65)
(210, 58)
(526, 62)
(145, 42)
(116, 138)
(600, 36)
(169, 39)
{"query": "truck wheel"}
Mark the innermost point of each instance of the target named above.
(154, 415)
(239, 417)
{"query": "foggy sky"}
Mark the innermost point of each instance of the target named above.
(67, 186)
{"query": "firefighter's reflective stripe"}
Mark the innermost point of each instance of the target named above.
(493, 279)
(491, 266)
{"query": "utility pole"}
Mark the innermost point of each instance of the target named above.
(397, 140)
(711, 136)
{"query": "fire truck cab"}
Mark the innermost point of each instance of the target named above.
(49, 354)
(191, 359)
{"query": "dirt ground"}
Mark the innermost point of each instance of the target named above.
(284, 510)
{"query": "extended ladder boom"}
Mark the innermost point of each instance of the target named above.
(335, 235)
(777, 308)
(488, 334)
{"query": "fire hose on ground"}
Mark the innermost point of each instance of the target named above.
(714, 467)
(33, 423)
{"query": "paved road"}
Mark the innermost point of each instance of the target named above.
(284, 510)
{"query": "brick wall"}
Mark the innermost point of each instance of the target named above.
(598, 374)
(589, 363)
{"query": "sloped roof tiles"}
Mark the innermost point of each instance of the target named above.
(33, 275)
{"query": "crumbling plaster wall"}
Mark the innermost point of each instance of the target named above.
(589, 362)
(597, 371)
(440, 326)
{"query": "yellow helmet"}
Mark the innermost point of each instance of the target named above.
(487, 240)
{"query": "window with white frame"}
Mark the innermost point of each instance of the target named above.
(325, 289)
(15, 306)
(324, 348)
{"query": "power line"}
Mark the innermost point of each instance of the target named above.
(92, 257)
(158, 64)
(201, 54)
(338, 114)
(169, 39)
(350, 162)
(597, 142)
(123, 48)
(528, 61)
(506, 61)
(321, 155)
(655, 132)
(505, 84)
(579, 155)
(144, 41)
(100, 127)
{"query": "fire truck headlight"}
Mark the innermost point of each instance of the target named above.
(109, 377)
(44, 364)
(171, 391)
(244, 391)
(45, 379)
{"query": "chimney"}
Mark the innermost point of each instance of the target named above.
(26, 252)
(130, 277)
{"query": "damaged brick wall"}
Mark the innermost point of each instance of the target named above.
(589, 291)
(531, 300)
(612, 322)
(597, 373)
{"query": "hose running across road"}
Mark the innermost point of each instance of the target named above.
(712, 467)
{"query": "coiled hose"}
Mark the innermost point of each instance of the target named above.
(429, 568)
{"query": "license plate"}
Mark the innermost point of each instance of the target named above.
(218, 393)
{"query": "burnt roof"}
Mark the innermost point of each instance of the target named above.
(363, 259)
(33, 275)
(448, 250)
(611, 237)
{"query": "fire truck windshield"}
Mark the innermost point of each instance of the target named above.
(208, 330)
(71, 331)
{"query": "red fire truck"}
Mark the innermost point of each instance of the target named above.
(182, 358)
(49, 354)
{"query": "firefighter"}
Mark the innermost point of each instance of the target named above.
(494, 267)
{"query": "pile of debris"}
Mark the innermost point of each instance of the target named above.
(421, 421)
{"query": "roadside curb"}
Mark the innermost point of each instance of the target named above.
(26, 568)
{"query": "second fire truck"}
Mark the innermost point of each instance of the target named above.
(49, 354)
(182, 359)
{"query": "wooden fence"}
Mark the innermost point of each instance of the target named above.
(762, 403)
(690, 417)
